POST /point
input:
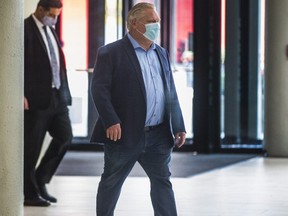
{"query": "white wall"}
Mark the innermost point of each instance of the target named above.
(11, 108)
(29, 7)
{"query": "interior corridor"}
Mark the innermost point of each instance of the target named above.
(255, 187)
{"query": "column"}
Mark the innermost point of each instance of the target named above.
(11, 107)
(276, 79)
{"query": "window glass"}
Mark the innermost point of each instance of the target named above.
(74, 37)
(150, 1)
(260, 131)
(113, 20)
(259, 105)
(182, 57)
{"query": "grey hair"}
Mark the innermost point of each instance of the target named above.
(136, 12)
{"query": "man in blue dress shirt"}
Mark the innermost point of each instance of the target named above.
(139, 114)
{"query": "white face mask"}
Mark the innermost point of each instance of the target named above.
(49, 21)
(152, 31)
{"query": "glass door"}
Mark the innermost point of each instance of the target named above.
(74, 36)
(242, 74)
(182, 57)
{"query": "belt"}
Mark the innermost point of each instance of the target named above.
(150, 128)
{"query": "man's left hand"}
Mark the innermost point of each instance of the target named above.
(180, 139)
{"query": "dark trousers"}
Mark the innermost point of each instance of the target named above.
(154, 155)
(54, 120)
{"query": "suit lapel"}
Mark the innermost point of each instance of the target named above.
(164, 67)
(135, 63)
(37, 33)
(61, 54)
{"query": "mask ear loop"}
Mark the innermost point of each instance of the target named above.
(144, 26)
(141, 32)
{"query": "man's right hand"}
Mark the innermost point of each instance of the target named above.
(26, 104)
(114, 132)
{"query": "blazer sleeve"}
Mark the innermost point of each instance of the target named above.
(176, 112)
(101, 86)
(177, 121)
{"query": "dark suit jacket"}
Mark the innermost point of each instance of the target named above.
(37, 69)
(119, 93)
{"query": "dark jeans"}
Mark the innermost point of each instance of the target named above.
(54, 120)
(154, 155)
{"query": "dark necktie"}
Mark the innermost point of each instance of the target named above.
(53, 61)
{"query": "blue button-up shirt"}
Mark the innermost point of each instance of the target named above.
(151, 71)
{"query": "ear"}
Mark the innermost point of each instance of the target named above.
(40, 9)
(133, 22)
(39, 12)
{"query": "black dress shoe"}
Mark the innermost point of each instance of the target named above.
(36, 201)
(45, 195)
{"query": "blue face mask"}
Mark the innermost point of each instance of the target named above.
(152, 31)
(49, 21)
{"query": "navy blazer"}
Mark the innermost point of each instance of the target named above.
(119, 94)
(37, 69)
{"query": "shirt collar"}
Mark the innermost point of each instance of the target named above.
(136, 45)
